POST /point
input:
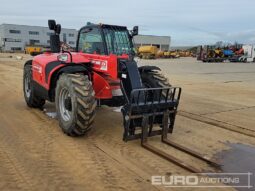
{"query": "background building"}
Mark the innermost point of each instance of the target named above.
(162, 42)
(16, 37)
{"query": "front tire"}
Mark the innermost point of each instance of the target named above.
(29, 91)
(75, 104)
(154, 79)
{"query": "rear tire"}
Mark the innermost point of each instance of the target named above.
(30, 96)
(75, 104)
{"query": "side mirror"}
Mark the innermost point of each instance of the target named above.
(58, 29)
(52, 24)
(54, 38)
(134, 31)
(55, 43)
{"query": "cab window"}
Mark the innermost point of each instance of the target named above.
(91, 41)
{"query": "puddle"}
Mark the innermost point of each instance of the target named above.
(239, 158)
(117, 109)
(50, 111)
(51, 114)
(231, 81)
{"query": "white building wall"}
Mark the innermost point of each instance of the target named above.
(23, 38)
(1, 35)
(163, 41)
(28, 33)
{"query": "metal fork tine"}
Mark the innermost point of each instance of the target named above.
(167, 94)
(160, 94)
(143, 101)
(153, 92)
(145, 96)
(174, 94)
(138, 98)
(132, 98)
(179, 94)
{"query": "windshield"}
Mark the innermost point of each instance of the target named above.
(91, 42)
(117, 41)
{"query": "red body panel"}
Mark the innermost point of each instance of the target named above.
(101, 87)
(38, 66)
(104, 77)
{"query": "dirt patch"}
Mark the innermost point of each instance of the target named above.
(36, 155)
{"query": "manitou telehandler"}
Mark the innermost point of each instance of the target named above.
(102, 71)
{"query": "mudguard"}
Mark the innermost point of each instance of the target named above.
(69, 68)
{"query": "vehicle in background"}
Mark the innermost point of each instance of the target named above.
(185, 53)
(233, 53)
(249, 54)
(238, 53)
(33, 50)
(147, 52)
(210, 54)
(199, 53)
(160, 54)
(228, 53)
(171, 54)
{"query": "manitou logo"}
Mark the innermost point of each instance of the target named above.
(37, 68)
(101, 63)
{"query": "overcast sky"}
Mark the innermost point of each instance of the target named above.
(188, 22)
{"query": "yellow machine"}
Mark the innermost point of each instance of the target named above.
(184, 53)
(160, 54)
(171, 54)
(215, 53)
(33, 50)
(147, 52)
(174, 54)
(219, 53)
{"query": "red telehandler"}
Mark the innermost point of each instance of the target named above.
(102, 71)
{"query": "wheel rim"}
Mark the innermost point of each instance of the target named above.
(27, 86)
(63, 96)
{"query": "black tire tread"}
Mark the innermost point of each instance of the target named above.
(33, 101)
(160, 79)
(84, 97)
(156, 80)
